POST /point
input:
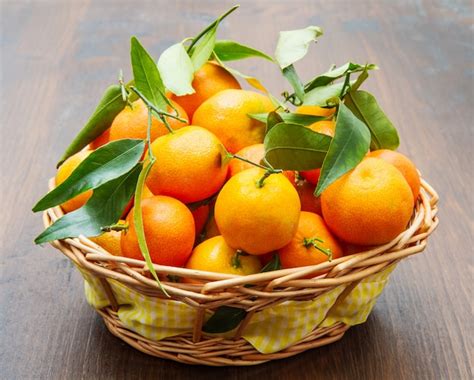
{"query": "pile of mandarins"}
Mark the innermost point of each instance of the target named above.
(202, 211)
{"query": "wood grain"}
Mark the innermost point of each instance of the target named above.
(58, 56)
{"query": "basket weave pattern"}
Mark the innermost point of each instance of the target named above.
(269, 289)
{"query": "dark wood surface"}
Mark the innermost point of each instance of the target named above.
(58, 56)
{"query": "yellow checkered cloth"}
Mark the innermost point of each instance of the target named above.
(269, 331)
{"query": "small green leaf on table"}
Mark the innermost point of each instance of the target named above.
(228, 50)
(109, 107)
(365, 107)
(294, 147)
(348, 147)
(176, 70)
(225, 318)
(147, 77)
(105, 164)
(104, 208)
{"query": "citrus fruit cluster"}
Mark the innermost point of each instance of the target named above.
(183, 167)
(212, 202)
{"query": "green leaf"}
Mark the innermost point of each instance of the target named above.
(252, 81)
(339, 72)
(348, 147)
(273, 264)
(138, 221)
(228, 50)
(321, 96)
(225, 318)
(104, 208)
(109, 107)
(365, 107)
(147, 77)
(176, 70)
(290, 74)
(273, 119)
(203, 49)
(293, 44)
(289, 117)
(294, 147)
(106, 163)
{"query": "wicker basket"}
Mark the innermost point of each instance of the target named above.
(268, 290)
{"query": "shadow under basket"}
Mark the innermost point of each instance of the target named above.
(315, 311)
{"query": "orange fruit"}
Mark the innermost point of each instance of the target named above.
(132, 123)
(309, 202)
(190, 165)
(212, 229)
(257, 219)
(146, 193)
(326, 127)
(254, 153)
(214, 255)
(369, 205)
(208, 81)
(200, 216)
(311, 238)
(402, 163)
(101, 140)
(110, 241)
(316, 111)
(169, 232)
(64, 172)
(225, 115)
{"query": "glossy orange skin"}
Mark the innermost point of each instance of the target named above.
(64, 171)
(256, 219)
(110, 241)
(132, 123)
(214, 255)
(402, 163)
(101, 140)
(190, 165)
(326, 127)
(254, 153)
(309, 202)
(169, 232)
(296, 254)
(208, 81)
(225, 115)
(369, 205)
(200, 216)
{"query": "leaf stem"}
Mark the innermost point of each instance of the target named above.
(314, 242)
(158, 111)
(235, 261)
(267, 174)
(249, 162)
(209, 27)
(345, 85)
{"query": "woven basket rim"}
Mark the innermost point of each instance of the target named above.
(422, 224)
(216, 289)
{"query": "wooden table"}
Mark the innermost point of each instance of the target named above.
(58, 56)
